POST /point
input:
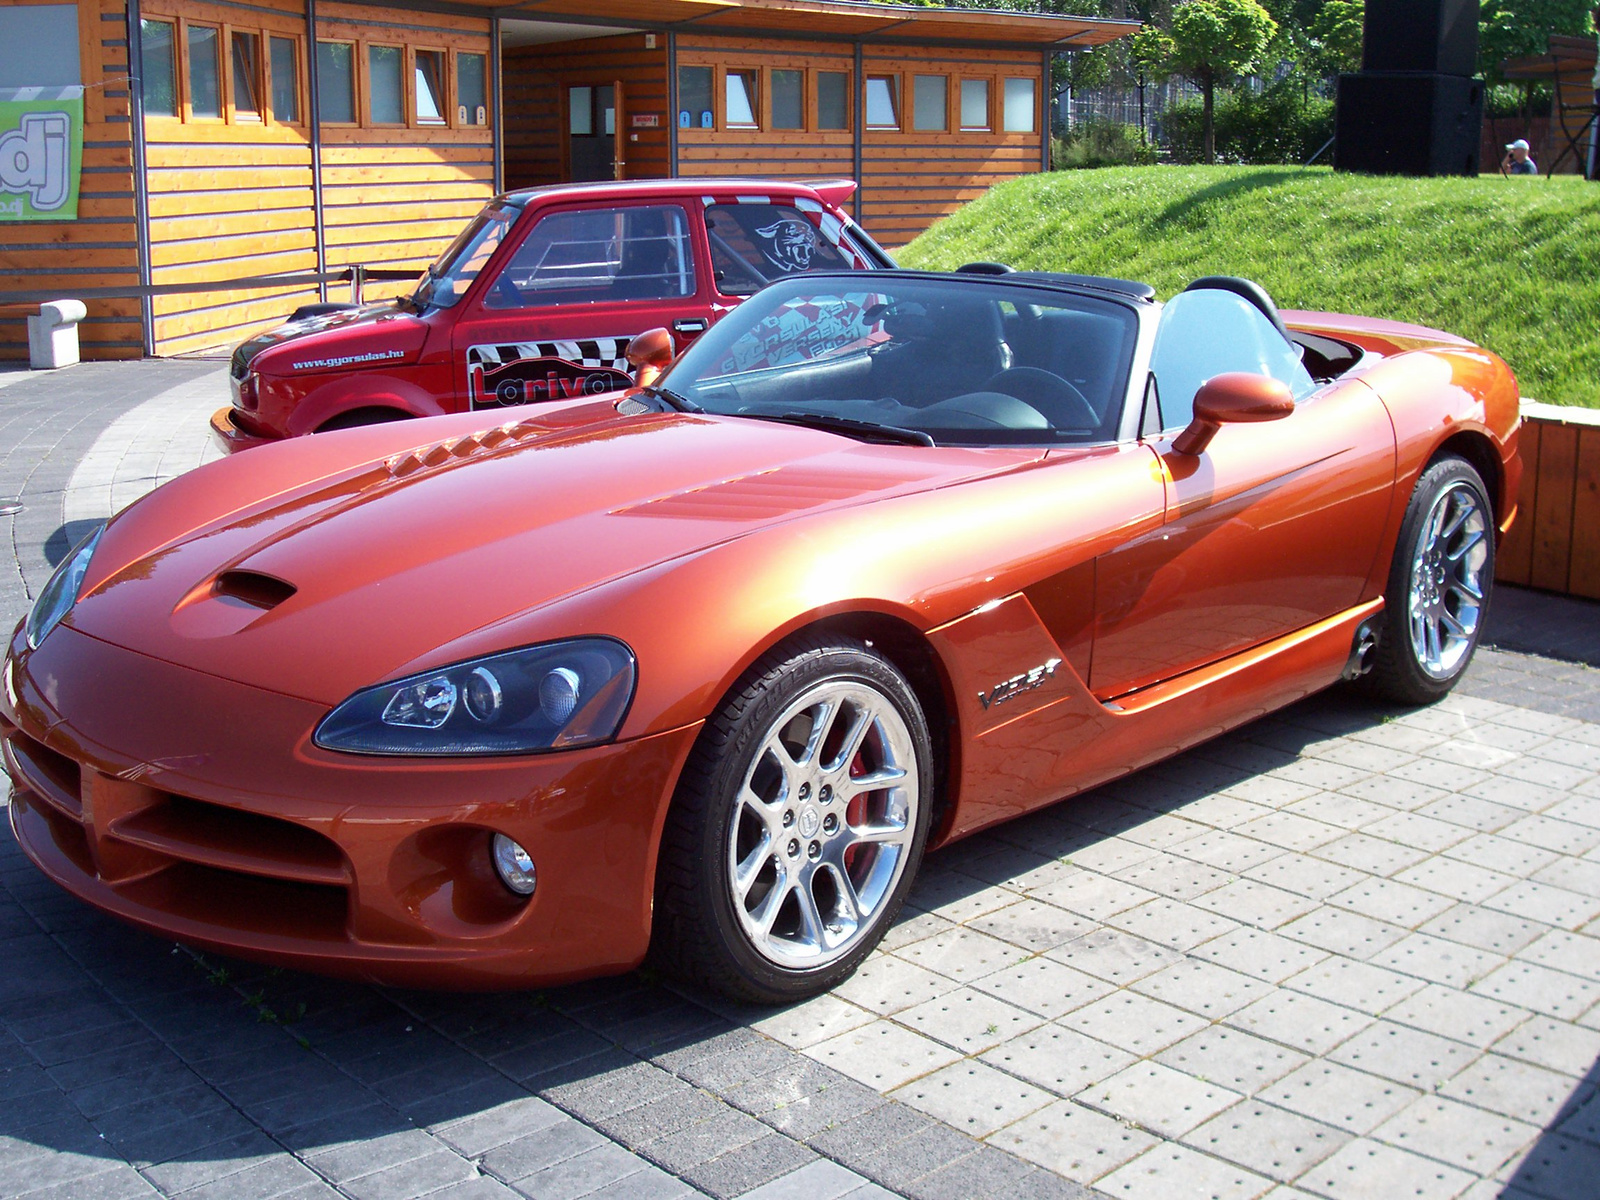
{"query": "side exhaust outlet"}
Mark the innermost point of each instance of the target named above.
(1363, 650)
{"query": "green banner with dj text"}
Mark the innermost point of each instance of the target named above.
(41, 153)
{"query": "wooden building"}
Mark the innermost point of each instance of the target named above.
(303, 137)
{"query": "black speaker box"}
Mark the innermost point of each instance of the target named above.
(1400, 124)
(1436, 36)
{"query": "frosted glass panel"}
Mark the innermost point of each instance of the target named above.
(1019, 105)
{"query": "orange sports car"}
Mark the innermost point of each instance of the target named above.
(701, 669)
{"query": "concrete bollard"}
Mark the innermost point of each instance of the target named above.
(53, 334)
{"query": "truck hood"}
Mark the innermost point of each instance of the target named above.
(371, 335)
(351, 575)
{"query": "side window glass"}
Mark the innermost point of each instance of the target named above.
(753, 244)
(1208, 331)
(599, 255)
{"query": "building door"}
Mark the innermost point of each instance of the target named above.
(594, 132)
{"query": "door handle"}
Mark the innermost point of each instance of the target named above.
(690, 327)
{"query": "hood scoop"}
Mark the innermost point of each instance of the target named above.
(233, 600)
(252, 589)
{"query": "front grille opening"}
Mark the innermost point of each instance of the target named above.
(58, 779)
(246, 904)
(229, 839)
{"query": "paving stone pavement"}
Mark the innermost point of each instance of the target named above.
(1343, 952)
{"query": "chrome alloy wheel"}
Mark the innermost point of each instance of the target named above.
(824, 824)
(1447, 580)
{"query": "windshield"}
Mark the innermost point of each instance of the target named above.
(963, 361)
(444, 283)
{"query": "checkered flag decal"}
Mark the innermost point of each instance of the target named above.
(592, 353)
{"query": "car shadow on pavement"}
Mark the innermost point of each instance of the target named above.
(66, 538)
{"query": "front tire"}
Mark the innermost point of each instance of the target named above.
(1439, 586)
(798, 825)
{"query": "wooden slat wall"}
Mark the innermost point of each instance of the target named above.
(534, 83)
(393, 198)
(910, 180)
(228, 199)
(1555, 543)
(766, 153)
(236, 199)
(100, 248)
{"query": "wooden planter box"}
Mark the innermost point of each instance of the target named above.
(1555, 543)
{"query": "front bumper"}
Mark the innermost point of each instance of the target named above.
(198, 809)
(227, 433)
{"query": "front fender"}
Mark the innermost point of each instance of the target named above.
(345, 393)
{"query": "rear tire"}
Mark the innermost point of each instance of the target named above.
(1439, 585)
(797, 827)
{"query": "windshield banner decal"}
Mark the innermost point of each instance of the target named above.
(41, 153)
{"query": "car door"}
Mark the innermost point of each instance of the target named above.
(553, 316)
(1274, 526)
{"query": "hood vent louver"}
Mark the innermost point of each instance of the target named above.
(265, 592)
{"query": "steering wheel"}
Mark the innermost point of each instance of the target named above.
(1063, 405)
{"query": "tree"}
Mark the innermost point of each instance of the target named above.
(1211, 41)
(1334, 34)
(1508, 28)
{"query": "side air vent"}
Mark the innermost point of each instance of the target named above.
(265, 592)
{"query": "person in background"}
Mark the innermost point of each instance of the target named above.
(1516, 161)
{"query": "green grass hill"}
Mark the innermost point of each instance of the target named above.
(1513, 264)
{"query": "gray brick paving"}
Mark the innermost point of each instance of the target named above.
(1343, 952)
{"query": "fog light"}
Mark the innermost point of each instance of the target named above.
(514, 865)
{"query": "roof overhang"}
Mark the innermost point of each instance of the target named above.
(829, 19)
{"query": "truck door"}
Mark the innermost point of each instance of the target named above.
(555, 319)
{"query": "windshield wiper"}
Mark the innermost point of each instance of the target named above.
(672, 399)
(867, 431)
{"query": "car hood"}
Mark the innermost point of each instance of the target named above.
(348, 340)
(359, 574)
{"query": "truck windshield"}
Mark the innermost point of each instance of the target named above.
(444, 283)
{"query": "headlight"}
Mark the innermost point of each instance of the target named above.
(549, 697)
(61, 593)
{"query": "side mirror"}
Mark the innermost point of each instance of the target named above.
(650, 354)
(1234, 396)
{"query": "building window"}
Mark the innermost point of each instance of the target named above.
(833, 100)
(694, 98)
(159, 85)
(205, 73)
(336, 82)
(471, 90)
(285, 80)
(429, 73)
(788, 99)
(744, 99)
(246, 75)
(1019, 106)
(883, 102)
(580, 111)
(974, 104)
(931, 97)
(386, 101)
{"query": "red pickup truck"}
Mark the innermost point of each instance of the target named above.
(537, 299)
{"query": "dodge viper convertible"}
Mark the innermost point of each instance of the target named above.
(698, 670)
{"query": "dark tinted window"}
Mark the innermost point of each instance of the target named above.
(603, 254)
